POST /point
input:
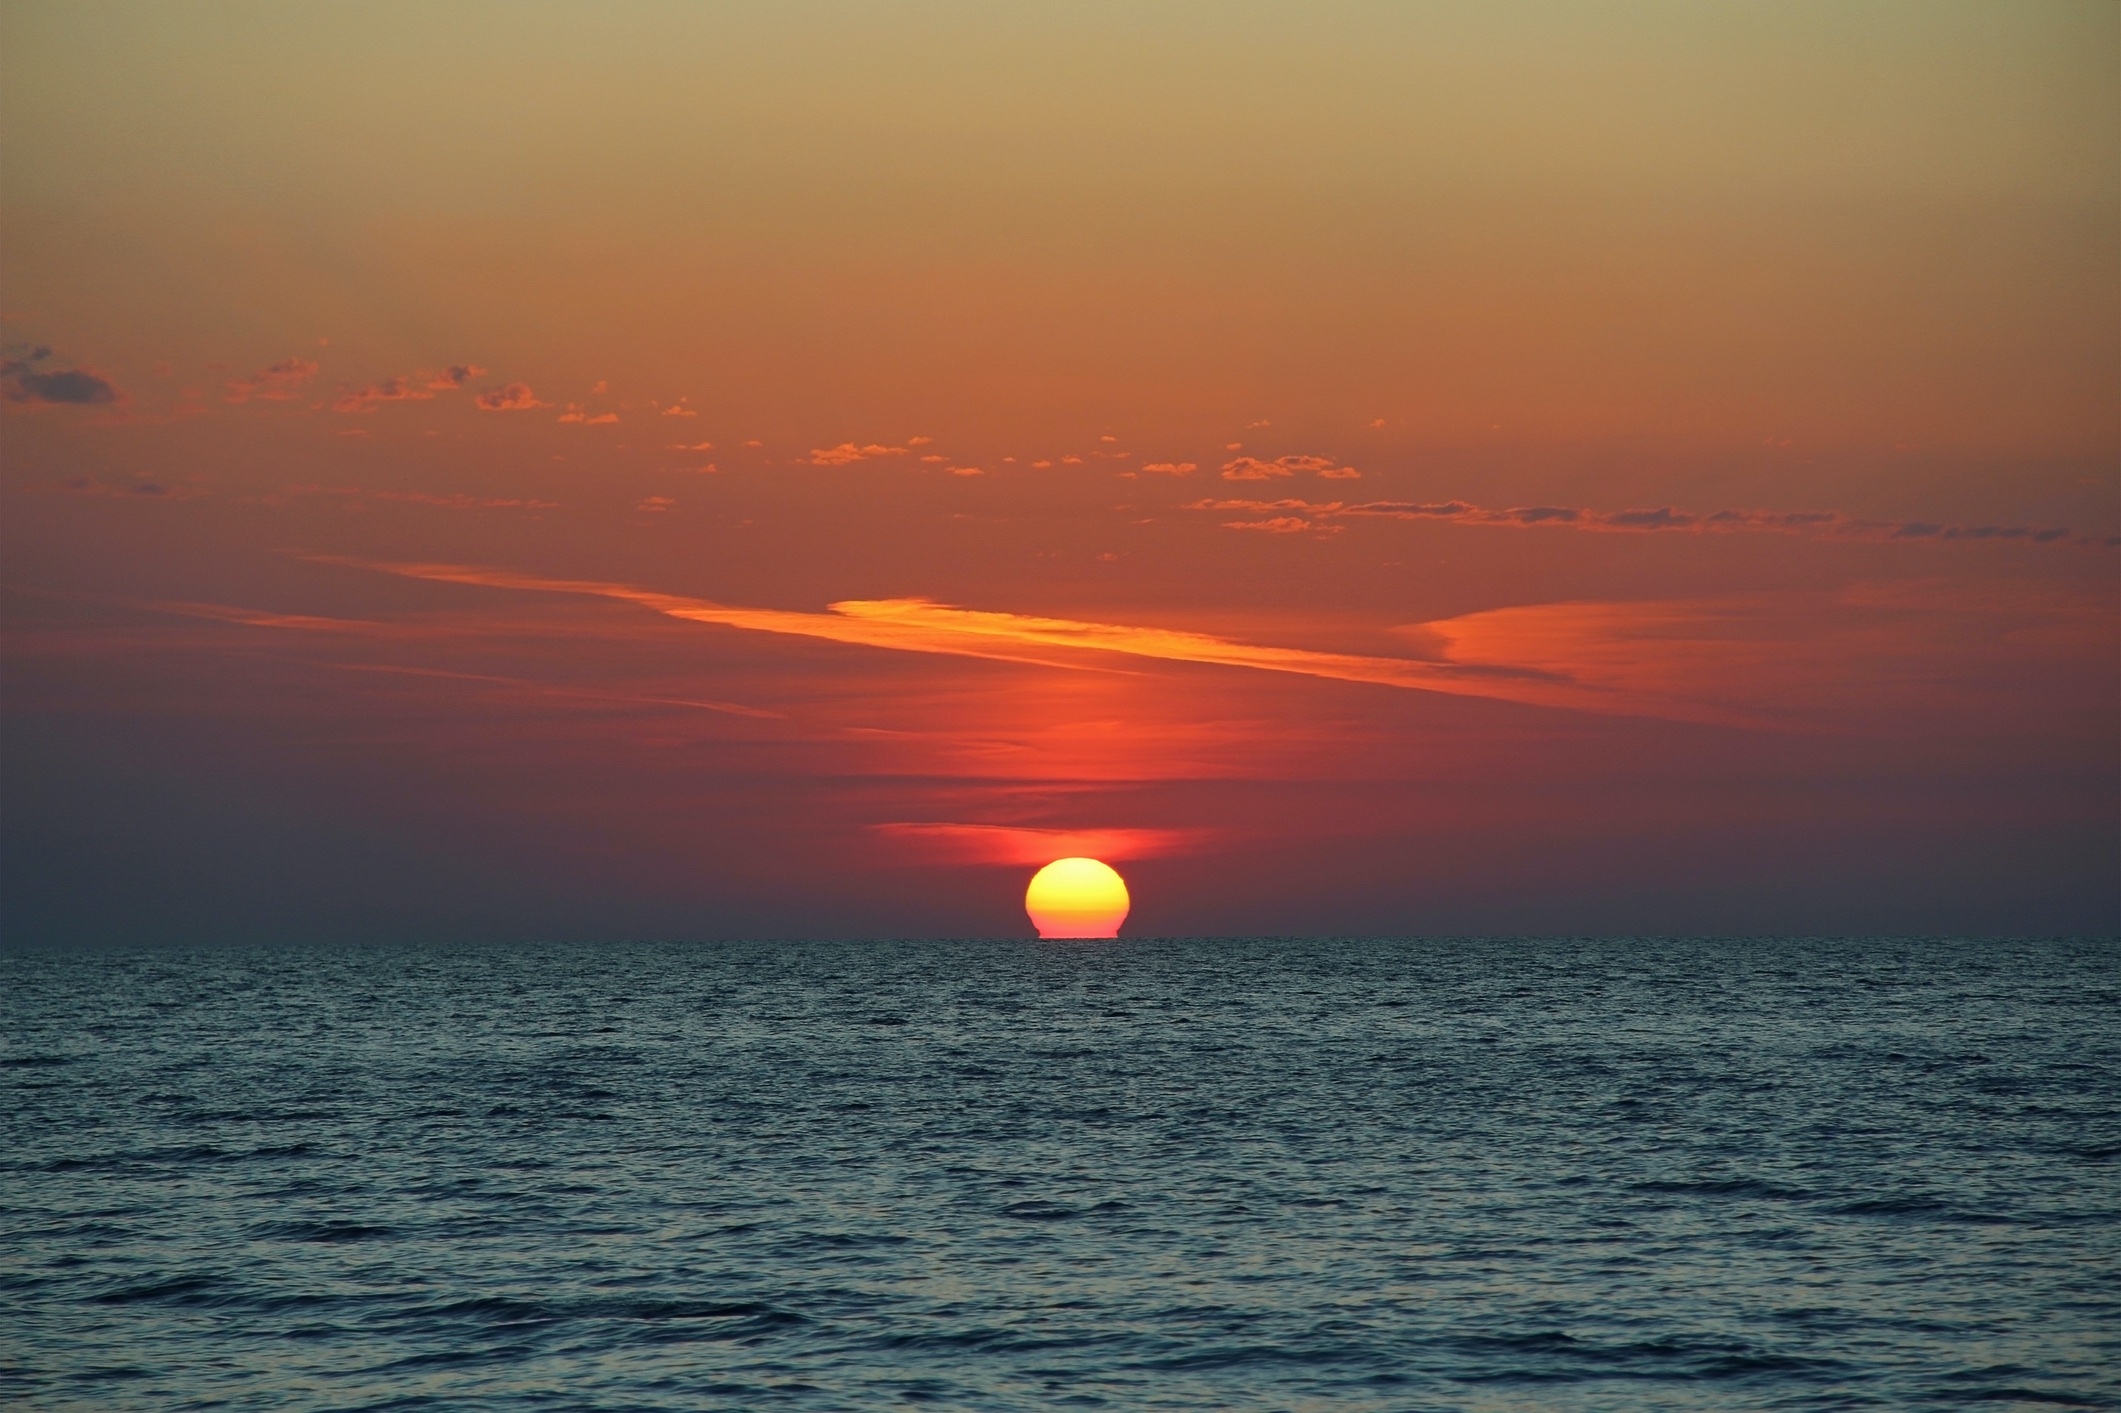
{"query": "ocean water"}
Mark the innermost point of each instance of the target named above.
(1188, 1174)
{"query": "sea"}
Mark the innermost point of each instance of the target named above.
(1205, 1173)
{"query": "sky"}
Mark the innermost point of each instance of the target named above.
(686, 470)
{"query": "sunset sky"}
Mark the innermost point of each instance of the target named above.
(537, 470)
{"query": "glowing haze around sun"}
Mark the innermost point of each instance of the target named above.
(1077, 898)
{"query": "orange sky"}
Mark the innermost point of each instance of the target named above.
(531, 470)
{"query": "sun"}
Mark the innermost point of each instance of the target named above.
(1077, 898)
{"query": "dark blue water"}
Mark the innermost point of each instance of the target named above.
(999, 1175)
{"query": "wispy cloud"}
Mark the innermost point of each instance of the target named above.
(514, 397)
(1011, 844)
(151, 489)
(362, 628)
(847, 453)
(921, 625)
(411, 387)
(1251, 468)
(368, 399)
(1284, 525)
(276, 382)
(1821, 524)
(358, 497)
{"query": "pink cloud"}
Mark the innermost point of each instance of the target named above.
(1171, 468)
(515, 397)
(1003, 844)
(846, 453)
(413, 387)
(367, 399)
(1284, 525)
(1818, 524)
(1306, 507)
(277, 382)
(356, 497)
(1251, 468)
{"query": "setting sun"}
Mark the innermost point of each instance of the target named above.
(1077, 898)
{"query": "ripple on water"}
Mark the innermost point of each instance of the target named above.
(1246, 1173)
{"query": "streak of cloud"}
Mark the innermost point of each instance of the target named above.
(395, 632)
(847, 453)
(1009, 844)
(921, 625)
(1818, 524)
(276, 382)
(514, 397)
(1251, 468)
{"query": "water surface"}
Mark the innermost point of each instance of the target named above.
(1251, 1174)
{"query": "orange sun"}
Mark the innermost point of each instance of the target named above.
(1077, 898)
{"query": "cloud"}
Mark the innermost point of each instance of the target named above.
(846, 453)
(1171, 468)
(1015, 845)
(153, 490)
(1895, 652)
(679, 409)
(1284, 525)
(411, 387)
(389, 631)
(967, 471)
(1251, 468)
(515, 397)
(655, 505)
(574, 413)
(277, 382)
(356, 496)
(1816, 524)
(919, 441)
(1280, 516)
(362, 400)
(1306, 507)
(924, 626)
(63, 387)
